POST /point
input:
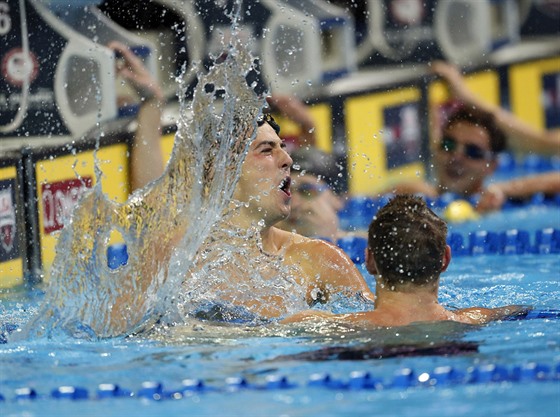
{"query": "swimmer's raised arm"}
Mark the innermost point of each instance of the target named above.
(521, 136)
(146, 160)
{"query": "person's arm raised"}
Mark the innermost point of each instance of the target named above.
(521, 136)
(146, 160)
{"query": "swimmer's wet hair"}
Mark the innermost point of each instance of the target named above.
(267, 118)
(407, 241)
(483, 119)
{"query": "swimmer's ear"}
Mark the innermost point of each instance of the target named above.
(446, 258)
(371, 266)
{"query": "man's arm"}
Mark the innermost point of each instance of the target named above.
(494, 197)
(309, 315)
(478, 315)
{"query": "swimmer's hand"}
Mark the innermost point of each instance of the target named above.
(455, 80)
(133, 70)
(510, 312)
(491, 199)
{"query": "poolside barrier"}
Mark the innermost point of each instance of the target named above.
(403, 378)
(481, 242)
(360, 210)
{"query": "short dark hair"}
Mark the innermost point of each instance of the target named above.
(267, 118)
(485, 120)
(408, 242)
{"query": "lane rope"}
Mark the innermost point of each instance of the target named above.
(403, 378)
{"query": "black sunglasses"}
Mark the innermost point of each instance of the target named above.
(449, 144)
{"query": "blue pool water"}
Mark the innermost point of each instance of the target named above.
(506, 351)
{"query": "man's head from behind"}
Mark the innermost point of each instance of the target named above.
(467, 150)
(407, 244)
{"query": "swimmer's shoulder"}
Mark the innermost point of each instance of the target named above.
(323, 263)
(290, 240)
(299, 244)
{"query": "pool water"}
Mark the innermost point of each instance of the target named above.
(216, 353)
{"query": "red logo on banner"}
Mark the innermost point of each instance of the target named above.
(18, 67)
(59, 200)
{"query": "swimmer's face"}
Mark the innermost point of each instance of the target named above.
(314, 208)
(464, 159)
(307, 187)
(265, 178)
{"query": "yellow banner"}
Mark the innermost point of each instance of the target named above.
(526, 89)
(62, 180)
(11, 247)
(376, 122)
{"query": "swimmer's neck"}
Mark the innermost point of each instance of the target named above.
(272, 238)
(420, 302)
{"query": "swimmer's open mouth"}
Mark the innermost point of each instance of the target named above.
(285, 186)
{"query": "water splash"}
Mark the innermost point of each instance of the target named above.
(163, 225)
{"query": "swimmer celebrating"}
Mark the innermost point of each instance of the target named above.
(244, 261)
(262, 199)
(407, 252)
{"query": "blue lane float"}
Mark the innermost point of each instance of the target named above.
(117, 255)
(69, 392)
(360, 210)
(527, 164)
(403, 378)
(510, 242)
(481, 242)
